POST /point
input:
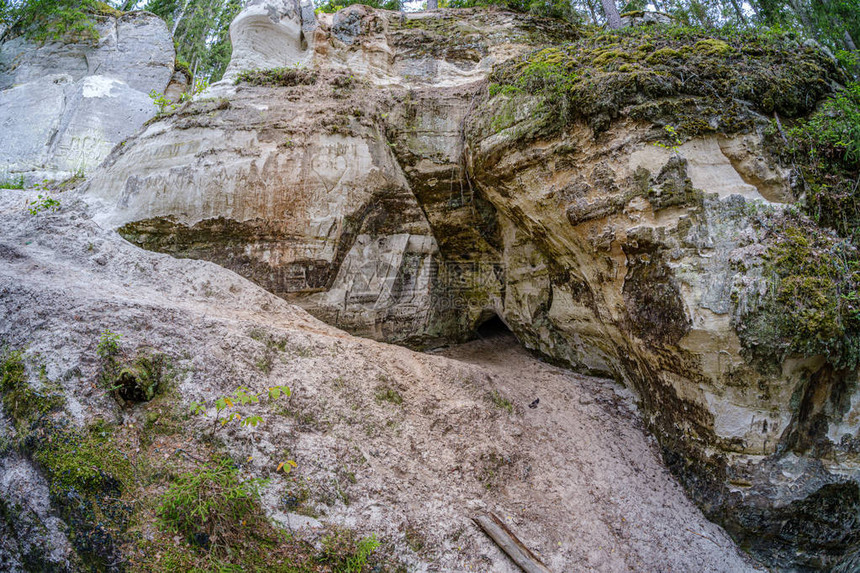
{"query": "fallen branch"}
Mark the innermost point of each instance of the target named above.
(508, 542)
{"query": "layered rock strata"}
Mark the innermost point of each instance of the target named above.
(617, 205)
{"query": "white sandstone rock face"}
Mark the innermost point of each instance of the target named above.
(305, 189)
(429, 463)
(63, 107)
(271, 34)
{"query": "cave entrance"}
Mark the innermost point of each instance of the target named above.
(493, 327)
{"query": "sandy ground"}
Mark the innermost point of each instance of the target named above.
(595, 468)
(576, 477)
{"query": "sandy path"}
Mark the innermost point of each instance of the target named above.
(595, 468)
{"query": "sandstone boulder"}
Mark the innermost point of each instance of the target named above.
(64, 106)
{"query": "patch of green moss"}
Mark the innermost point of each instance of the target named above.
(726, 82)
(812, 303)
(712, 47)
(88, 475)
(277, 77)
(87, 460)
(385, 393)
(23, 403)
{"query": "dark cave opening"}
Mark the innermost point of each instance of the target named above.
(493, 327)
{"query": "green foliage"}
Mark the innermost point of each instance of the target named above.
(546, 8)
(161, 102)
(201, 32)
(831, 137)
(669, 75)
(280, 77)
(213, 501)
(240, 397)
(13, 183)
(674, 138)
(330, 6)
(344, 552)
(812, 306)
(59, 20)
(43, 203)
(825, 149)
(22, 403)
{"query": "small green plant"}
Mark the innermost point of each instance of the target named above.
(344, 552)
(240, 397)
(13, 183)
(200, 85)
(161, 102)
(43, 203)
(673, 136)
(499, 401)
(215, 502)
(109, 352)
(287, 466)
(385, 393)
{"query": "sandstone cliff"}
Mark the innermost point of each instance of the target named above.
(64, 106)
(619, 200)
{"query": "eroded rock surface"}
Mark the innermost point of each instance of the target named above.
(390, 191)
(404, 445)
(64, 106)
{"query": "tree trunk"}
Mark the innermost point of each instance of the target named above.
(432, 4)
(849, 42)
(739, 12)
(179, 18)
(613, 18)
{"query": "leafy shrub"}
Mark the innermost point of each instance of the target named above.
(832, 135)
(825, 151)
(43, 203)
(240, 397)
(213, 505)
(161, 102)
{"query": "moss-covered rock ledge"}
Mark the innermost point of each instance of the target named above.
(685, 202)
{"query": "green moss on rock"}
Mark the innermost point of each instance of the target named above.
(723, 82)
(811, 304)
(23, 403)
